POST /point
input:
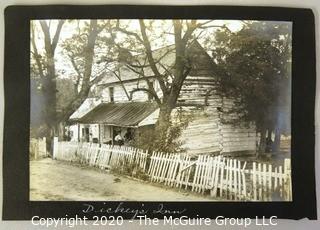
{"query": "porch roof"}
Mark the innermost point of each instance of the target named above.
(128, 114)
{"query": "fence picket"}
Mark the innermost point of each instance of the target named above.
(222, 178)
(216, 175)
(288, 182)
(152, 160)
(254, 180)
(188, 176)
(195, 174)
(238, 185)
(201, 174)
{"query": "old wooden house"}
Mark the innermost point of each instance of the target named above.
(117, 110)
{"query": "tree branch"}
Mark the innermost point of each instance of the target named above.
(151, 61)
(57, 35)
(89, 53)
(156, 61)
(47, 38)
(149, 91)
(191, 27)
(73, 62)
(130, 33)
(36, 54)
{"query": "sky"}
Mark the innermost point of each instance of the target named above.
(161, 36)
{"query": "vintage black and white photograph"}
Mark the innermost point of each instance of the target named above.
(160, 110)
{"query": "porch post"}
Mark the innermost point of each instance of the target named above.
(78, 132)
(55, 147)
(99, 131)
(111, 132)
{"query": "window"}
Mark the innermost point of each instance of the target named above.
(111, 94)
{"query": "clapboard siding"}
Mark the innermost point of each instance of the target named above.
(236, 137)
(202, 133)
(120, 94)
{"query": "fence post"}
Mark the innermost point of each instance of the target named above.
(44, 140)
(55, 147)
(287, 173)
(36, 149)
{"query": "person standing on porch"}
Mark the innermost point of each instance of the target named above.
(128, 136)
(118, 138)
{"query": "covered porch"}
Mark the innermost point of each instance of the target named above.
(106, 121)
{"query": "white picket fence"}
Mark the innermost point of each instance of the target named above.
(223, 177)
(38, 148)
(102, 156)
(216, 176)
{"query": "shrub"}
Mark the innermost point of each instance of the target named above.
(164, 137)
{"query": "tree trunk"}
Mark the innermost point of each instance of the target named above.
(162, 128)
(61, 131)
(49, 93)
(163, 122)
(49, 80)
(276, 144)
(85, 84)
(269, 134)
(262, 144)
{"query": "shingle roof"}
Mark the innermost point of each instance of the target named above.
(128, 114)
(202, 63)
(85, 107)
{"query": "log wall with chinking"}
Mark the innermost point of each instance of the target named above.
(206, 133)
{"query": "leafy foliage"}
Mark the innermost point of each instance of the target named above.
(165, 136)
(255, 65)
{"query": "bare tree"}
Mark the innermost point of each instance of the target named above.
(82, 61)
(170, 77)
(46, 70)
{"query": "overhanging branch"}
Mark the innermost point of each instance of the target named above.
(151, 92)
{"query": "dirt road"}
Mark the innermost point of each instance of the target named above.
(56, 180)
